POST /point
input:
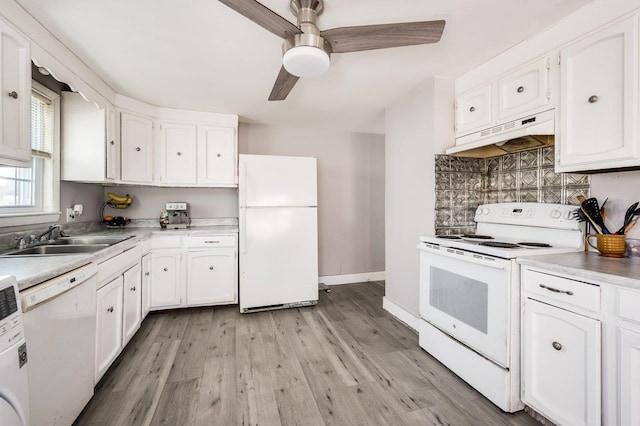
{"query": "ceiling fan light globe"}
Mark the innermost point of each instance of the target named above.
(306, 61)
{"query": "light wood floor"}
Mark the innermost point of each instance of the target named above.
(342, 362)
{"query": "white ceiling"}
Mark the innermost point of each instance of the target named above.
(201, 55)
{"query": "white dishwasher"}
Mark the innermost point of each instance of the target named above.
(60, 328)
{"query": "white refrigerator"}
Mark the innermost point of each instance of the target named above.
(278, 232)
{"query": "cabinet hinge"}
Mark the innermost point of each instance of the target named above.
(549, 94)
(548, 63)
(558, 59)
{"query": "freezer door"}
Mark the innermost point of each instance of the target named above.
(278, 256)
(267, 180)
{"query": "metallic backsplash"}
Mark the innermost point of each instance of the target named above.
(464, 183)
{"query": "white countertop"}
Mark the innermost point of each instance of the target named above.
(590, 267)
(33, 270)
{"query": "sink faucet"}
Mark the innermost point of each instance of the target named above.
(49, 232)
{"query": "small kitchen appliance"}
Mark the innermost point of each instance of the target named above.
(178, 213)
(470, 291)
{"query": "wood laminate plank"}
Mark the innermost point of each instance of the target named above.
(177, 405)
(296, 406)
(190, 359)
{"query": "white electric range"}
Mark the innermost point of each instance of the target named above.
(470, 291)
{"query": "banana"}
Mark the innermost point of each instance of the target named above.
(120, 200)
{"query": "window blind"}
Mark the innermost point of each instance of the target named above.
(41, 126)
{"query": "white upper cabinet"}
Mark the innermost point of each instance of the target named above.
(473, 110)
(599, 101)
(90, 143)
(217, 156)
(178, 153)
(15, 79)
(523, 91)
(136, 137)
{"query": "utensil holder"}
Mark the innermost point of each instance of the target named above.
(609, 245)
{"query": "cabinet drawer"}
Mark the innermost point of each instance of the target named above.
(628, 304)
(212, 241)
(118, 264)
(169, 241)
(566, 291)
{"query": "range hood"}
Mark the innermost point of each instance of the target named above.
(534, 131)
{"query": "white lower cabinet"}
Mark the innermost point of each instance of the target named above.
(211, 277)
(146, 284)
(561, 364)
(629, 377)
(132, 303)
(108, 325)
(166, 279)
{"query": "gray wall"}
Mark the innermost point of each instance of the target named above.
(350, 190)
(89, 195)
(418, 126)
(148, 202)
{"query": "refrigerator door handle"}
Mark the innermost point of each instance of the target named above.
(243, 182)
(243, 229)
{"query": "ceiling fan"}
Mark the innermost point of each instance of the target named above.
(307, 50)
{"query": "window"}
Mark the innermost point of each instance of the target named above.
(29, 192)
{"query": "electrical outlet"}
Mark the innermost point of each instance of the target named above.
(70, 216)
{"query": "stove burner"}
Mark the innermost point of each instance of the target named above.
(477, 237)
(536, 245)
(449, 237)
(499, 244)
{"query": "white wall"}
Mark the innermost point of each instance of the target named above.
(418, 126)
(350, 190)
(622, 189)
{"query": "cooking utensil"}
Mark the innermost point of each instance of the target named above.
(602, 209)
(578, 215)
(628, 216)
(592, 210)
(629, 226)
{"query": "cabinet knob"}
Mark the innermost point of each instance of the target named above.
(112, 143)
(165, 269)
(179, 154)
(13, 94)
(146, 274)
(211, 268)
(218, 155)
(138, 149)
(557, 346)
(472, 109)
(133, 288)
(110, 309)
(520, 89)
(593, 99)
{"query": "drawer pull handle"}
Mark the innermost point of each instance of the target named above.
(520, 89)
(212, 242)
(110, 309)
(557, 346)
(165, 269)
(13, 94)
(555, 290)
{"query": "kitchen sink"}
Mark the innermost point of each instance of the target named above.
(51, 249)
(89, 240)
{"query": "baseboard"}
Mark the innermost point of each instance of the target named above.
(400, 313)
(352, 278)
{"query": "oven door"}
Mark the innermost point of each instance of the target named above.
(467, 295)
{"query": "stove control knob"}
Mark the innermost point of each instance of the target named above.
(555, 214)
(486, 211)
(570, 215)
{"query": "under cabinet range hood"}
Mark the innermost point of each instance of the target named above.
(534, 131)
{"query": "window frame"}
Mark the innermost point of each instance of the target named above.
(50, 208)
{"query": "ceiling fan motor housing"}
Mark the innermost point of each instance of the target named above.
(307, 54)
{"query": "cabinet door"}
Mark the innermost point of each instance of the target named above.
(132, 309)
(561, 364)
(136, 135)
(108, 325)
(217, 156)
(599, 98)
(211, 277)
(523, 91)
(15, 78)
(165, 280)
(113, 144)
(146, 284)
(629, 377)
(178, 153)
(473, 110)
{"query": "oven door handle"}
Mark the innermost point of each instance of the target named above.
(470, 258)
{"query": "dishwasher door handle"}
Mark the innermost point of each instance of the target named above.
(48, 290)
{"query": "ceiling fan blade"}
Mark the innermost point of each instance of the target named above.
(283, 85)
(263, 16)
(368, 37)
